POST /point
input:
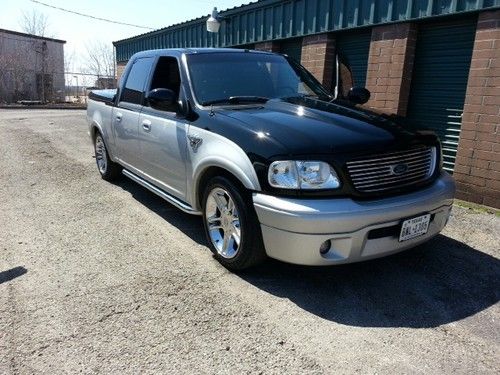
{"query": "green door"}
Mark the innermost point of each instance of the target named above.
(354, 47)
(440, 73)
(292, 48)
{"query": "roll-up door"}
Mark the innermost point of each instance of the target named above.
(354, 47)
(292, 48)
(439, 82)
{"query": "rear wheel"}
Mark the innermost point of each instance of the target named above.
(231, 225)
(108, 169)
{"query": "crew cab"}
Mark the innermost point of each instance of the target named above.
(274, 163)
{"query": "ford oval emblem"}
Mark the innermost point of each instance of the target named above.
(399, 168)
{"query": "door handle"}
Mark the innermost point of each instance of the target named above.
(146, 125)
(118, 117)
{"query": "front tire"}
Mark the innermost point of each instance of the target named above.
(231, 225)
(108, 169)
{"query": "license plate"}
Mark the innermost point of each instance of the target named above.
(415, 227)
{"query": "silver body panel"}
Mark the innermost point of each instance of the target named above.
(216, 151)
(162, 150)
(163, 156)
(124, 126)
(294, 229)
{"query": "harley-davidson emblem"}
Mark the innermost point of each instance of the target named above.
(194, 141)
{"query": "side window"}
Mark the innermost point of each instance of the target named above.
(136, 81)
(166, 75)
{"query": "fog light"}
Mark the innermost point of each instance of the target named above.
(325, 247)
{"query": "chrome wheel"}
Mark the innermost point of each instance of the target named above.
(223, 223)
(100, 155)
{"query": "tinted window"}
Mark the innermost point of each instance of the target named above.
(166, 75)
(217, 76)
(136, 81)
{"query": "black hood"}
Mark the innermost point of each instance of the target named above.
(302, 126)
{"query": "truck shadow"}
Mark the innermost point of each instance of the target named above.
(191, 225)
(436, 283)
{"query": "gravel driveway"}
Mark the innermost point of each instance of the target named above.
(108, 278)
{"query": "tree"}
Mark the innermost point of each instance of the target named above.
(100, 62)
(34, 22)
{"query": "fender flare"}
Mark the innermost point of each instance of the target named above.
(250, 182)
(94, 128)
(220, 152)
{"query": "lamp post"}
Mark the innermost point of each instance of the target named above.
(214, 21)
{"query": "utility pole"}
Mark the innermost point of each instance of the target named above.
(77, 89)
(44, 55)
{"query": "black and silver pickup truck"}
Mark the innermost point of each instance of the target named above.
(274, 163)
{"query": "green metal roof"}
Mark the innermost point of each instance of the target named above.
(266, 20)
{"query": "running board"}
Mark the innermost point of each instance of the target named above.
(163, 194)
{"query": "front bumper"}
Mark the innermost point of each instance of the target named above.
(294, 229)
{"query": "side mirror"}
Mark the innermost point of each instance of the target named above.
(163, 100)
(358, 95)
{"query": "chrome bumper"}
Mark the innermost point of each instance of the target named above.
(294, 229)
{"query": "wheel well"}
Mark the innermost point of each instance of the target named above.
(93, 132)
(211, 172)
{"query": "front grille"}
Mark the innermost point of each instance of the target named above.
(392, 170)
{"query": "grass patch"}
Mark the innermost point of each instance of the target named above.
(477, 208)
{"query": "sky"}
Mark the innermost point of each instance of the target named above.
(78, 31)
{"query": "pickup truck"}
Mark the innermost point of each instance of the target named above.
(274, 163)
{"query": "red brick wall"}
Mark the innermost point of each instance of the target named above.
(390, 64)
(120, 68)
(268, 46)
(318, 56)
(477, 169)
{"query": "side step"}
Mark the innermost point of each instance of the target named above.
(161, 193)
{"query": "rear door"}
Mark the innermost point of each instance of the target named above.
(162, 135)
(126, 115)
(292, 48)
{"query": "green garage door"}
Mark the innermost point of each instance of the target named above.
(292, 48)
(439, 81)
(354, 47)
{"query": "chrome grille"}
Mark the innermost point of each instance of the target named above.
(392, 170)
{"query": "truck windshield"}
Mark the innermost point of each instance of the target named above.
(242, 78)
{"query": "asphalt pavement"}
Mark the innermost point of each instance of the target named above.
(108, 278)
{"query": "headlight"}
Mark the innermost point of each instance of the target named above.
(291, 174)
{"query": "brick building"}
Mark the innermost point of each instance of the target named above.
(31, 67)
(435, 62)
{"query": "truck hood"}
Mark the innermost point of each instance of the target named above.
(310, 126)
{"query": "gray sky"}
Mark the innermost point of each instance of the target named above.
(79, 31)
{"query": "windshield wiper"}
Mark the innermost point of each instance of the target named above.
(306, 96)
(237, 100)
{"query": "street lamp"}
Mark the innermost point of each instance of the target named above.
(214, 21)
